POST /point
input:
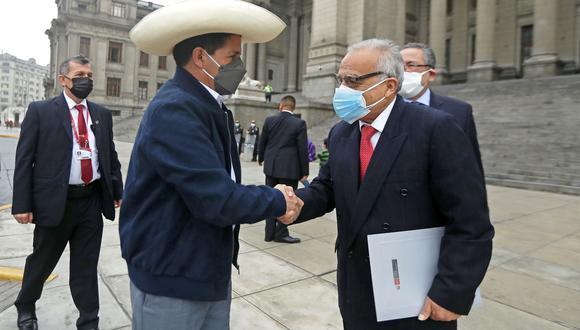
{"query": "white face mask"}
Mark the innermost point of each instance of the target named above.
(412, 84)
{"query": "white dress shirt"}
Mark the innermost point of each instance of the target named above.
(75, 168)
(424, 99)
(379, 123)
(220, 100)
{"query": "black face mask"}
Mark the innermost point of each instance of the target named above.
(82, 87)
(229, 76)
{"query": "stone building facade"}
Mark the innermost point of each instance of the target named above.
(474, 40)
(125, 79)
(21, 82)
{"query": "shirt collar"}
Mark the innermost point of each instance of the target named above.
(219, 99)
(290, 112)
(71, 103)
(424, 99)
(380, 122)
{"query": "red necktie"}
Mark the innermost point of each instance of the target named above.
(86, 164)
(366, 149)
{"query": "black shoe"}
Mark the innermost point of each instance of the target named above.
(27, 321)
(268, 239)
(287, 239)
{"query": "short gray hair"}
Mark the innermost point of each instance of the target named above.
(64, 67)
(428, 53)
(390, 61)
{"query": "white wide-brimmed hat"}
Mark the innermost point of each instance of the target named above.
(158, 32)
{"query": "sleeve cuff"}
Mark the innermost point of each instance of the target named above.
(279, 203)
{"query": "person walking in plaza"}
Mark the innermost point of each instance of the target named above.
(66, 176)
(251, 142)
(184, 203)
(239, 135)
(254, 132)
(268, 92)
(283, 152)
(397, 166)
(420, 72)
(323, 155)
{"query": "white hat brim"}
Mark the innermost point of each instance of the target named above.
(159, 32)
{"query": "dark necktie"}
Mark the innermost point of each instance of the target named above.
(366, 149)
(86, 164)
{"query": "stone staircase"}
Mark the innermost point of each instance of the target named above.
(125, 129)
(529, 131)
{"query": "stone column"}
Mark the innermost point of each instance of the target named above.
(437, 29)
(327, 48)
(261, 63)
(385, 19)
(459, 42)
(484, 68)
(293, 54)
(544, 60)
(251, 60)
(504, 39)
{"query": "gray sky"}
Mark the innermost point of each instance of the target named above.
(23, 23)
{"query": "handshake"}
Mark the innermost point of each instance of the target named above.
(293, 204)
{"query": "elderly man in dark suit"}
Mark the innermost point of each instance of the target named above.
(420, 72)
(67, 174)
(284, 152)
(393, 167)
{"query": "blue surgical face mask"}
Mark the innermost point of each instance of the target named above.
(350, 105)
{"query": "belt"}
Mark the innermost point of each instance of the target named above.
(76, 191)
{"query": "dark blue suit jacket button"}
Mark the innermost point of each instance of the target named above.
(386, 226)
(404, 192)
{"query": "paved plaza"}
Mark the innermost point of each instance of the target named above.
(533, 281)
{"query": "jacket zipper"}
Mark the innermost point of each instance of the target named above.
(231, 168)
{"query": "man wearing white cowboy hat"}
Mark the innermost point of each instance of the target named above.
(184, 202)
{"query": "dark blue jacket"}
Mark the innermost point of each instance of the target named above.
(180, 202)
(463, 112)
(422, 174)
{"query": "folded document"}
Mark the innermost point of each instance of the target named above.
(403, 265)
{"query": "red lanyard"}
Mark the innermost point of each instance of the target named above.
(76, 133)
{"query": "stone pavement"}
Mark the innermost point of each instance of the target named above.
(533, 281)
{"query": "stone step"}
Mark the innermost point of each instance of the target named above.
(513, 183)
(534, 179)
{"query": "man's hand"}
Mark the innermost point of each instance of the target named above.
(304, 178)
(118, 203)
(293, 204)
(24, 218)
(436, 312)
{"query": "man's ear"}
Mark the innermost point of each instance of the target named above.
(392, 85)
(197, 57)
(61, 80)
(432, 75)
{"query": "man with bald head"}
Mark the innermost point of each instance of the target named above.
(393, 167)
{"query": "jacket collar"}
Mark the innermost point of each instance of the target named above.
(192, 86)
(436, 101)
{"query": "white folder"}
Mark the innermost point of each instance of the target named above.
(411, 256)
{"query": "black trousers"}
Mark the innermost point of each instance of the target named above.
(274, 228)
(82, 229)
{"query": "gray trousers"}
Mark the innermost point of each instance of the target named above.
(151, 312)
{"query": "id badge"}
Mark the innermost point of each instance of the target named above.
(83, 154)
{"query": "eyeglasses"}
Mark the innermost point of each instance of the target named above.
(416, 67)
(352, 80)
